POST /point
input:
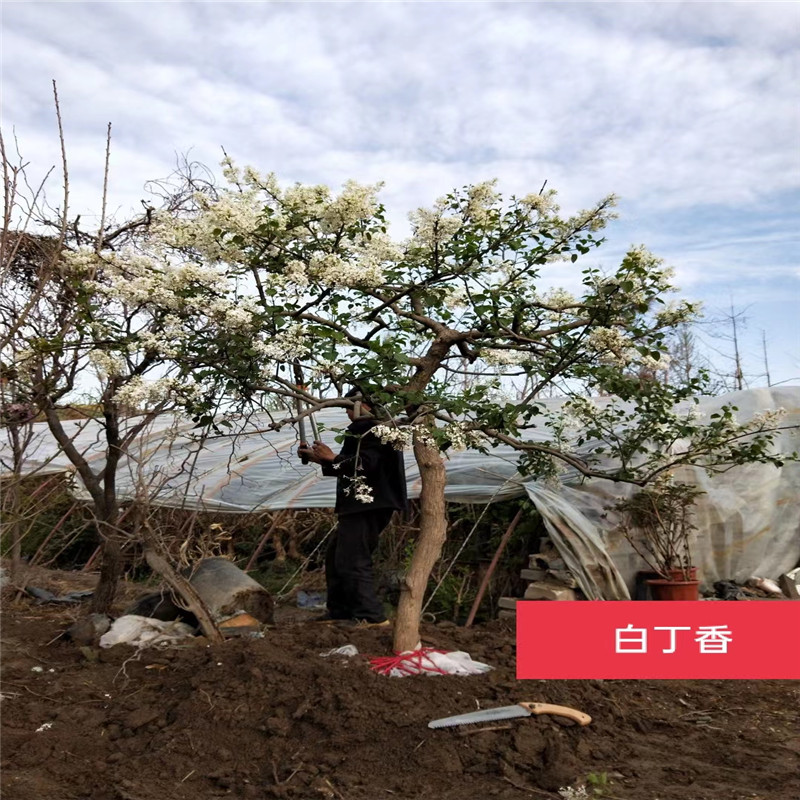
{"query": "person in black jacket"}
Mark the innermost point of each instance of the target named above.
(370, 487)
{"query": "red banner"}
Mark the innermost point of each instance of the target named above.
(645, 639)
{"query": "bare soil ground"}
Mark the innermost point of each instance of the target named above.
(262, 718)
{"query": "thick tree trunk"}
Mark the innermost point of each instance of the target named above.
(432, 535)
(110, 573)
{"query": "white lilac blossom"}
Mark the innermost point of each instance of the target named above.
(497, 357)
(480, 199)
(107, 364)
(354, 204)
(676, 312)
(399, 438)
(296, 273)
(332, 270)
(656, 364)
(558, 299)
(432, 228)
(137, 392)
(764, 420)
(358, 487)
(461, 436)
(611, 345)
(285, 346)
(543, 203)
(591, 219)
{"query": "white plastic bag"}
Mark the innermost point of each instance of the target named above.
(144, 632)
(348, 650)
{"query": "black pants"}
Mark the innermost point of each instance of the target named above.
(348, 566)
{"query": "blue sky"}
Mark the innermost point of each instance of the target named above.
(687, 111)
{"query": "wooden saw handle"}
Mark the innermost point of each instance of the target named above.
(558, 711)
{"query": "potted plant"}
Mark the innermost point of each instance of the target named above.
(658, 522)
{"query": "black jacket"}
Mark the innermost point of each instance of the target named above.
(379, 464)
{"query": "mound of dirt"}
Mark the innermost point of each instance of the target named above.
(262, 718)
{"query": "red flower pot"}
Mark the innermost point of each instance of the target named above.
(674, 590)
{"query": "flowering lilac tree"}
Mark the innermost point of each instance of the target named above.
(323, 286)
(106, 313)
(218, 299)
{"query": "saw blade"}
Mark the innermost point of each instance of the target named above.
(487, 715)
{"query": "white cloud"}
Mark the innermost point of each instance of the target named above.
(682, 109)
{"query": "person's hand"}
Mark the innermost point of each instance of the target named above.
(322, 453)
(319, 453)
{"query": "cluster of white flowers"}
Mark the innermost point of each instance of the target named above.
(480, 199)
(354, 204)
(592, 219)
(330, 269)
(107, 364)
(374, 255)
(509, 275)
(461, 436)
(432, 228)
(234, 212)
(571, 420)
(398, 437)
(331, 369)
(134, 279)
(289, 344)
(234, 314)
(557, 298)
(581, 409)
(611, 345)
(495, 357)
(360, 489)
(649, 277)
(764, 420)
(305, 201)
(81, 262)
(694, 414)
(662, 276)
(20, 357)
(656, 364)
(676, 312)
(165, 340)
(248, 177)
(544, 203)
(551, 471)
(187, 274)
(138, 392)
(424, 436)
(296, 274)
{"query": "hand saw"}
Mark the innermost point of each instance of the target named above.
(509, 712)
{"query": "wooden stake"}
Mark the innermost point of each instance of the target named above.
(490, 571)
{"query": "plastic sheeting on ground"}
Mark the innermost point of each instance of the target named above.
(428, 661)
(749, 518)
